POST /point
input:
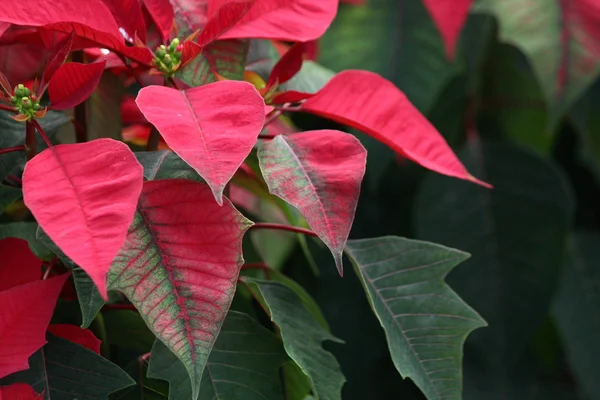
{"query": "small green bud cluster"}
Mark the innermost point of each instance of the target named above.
(26, 102)
(168, 58)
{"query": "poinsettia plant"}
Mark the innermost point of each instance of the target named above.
(163, 179)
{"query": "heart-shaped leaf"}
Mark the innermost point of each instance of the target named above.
(296, 21)
(84, 197)
(211, 127)
(425, 322)
(366, 101)
(73, 83)
(180, 265)
(26, 313)
(65, 370)
(319, 173)
(449, 17)
(244, 364)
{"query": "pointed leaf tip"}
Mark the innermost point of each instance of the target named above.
(394, 120)
(84, 197)
(319, 173)
(179, 266)
(213, 127)
(73, 83)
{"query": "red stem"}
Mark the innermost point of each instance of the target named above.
(119, 307)
(15, 178)
(173, 83)
(273, 117)
(282, 227)
(7, 108)
(11, 149)
(261, 266)
(41, 131)
(51, 265)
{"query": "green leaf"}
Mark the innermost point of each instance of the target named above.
(576, 310)
(126, 328)
(196, 72)
(302, 337)
(13, 134)
(516, 234)
(553, 36)
(296, 384)
(65, 371)
(26, 231)
(104, 107)
(310, 79)
(409, 49)
(165, 164)
(426, 323)
(179, 266)
(514, 101)
(8, 195)
(90, 300)
(585, 117)
(244, 364)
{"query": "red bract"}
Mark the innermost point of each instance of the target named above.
(224, 17)
(449, 17)
(162, 14)
(297, 21)
(287, 66)
(84, 197)
(319, 173)
(19, 265)
(19, 391)
(73, 333)
(212, 127)
(73, 83)
(129, 17)
(374, 105)
(179, 266)
(25, 315)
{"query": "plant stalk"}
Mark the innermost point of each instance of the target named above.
(42, 133)
(282, 227)
(30, 139)
(11, 149)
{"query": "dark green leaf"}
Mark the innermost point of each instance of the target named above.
(67, 371)
(126, 328)
(302, 337)
(165, 164)
(577, 310)
(244, 364)
(426, 323)
(310, 79)
(585, 117)
(516, 235)
(8, 195)
(296, 384)
(26, 231)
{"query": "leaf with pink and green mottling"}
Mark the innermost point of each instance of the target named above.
(179, 266)
(561, 39)
(319, 173)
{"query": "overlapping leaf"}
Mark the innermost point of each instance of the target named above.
(19, 391)
(165, 164)
(560, 38)
(179, 267)
(319, 173)
(128, 16)
(65, 370)
(212, 127)
(84, 196)
(302, 337)
(244, 364)
(297, 21)
(368, 102)
(26, 313)
(75, 334)
(73, 83)
(449, 17)
(19, 265)
(426, 323)
(516, 234)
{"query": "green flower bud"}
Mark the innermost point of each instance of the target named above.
(22, 91)
(37, 107)
(26, 103)
(173, 45)
(161, 52)
(167, 60)
(14, 100)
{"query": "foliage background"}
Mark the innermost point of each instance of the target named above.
(533, 274)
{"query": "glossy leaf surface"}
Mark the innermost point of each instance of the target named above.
(449, 17)
(516, 234)
(73, 83)
(244, 364)
(84, 197)
(297, 21)
(65, 370)
(26, 313)
(179, 266)
(212, 127)
(319, 173)
(368, 102)
(426, 323)
(302, 337)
